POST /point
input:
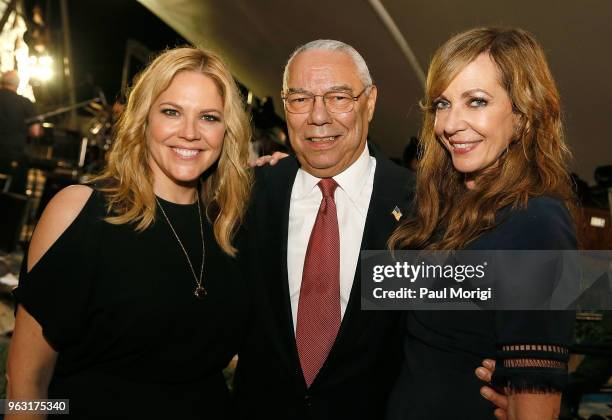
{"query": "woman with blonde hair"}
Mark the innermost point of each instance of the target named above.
(492, 176)
(131, 302)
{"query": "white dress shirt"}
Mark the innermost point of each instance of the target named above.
(352, 199)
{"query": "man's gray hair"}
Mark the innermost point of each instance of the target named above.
(10, 79)
(331, 45)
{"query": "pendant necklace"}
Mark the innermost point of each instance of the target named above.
(199, 291)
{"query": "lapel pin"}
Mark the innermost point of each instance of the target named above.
(397, 213)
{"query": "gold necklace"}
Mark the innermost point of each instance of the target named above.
(199, 291)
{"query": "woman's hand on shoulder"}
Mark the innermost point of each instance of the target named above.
(268, 159)
(61, 211)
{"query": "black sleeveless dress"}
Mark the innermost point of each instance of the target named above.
(119, 307)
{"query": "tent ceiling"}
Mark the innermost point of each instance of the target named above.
(256, 37)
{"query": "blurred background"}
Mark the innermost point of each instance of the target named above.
(75, 58)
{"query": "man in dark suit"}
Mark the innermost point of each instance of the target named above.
(330, 100)
(311, 352)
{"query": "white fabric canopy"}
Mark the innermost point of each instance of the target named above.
(257, 36)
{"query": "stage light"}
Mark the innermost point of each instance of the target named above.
(41, 68)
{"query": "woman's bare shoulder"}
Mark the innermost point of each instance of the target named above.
(61, 211)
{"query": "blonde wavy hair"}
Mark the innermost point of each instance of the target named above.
(127, 178)
(534, 164)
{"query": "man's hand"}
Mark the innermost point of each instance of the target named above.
(485, 373)
(268, 159)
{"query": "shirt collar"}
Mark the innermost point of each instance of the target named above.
(351, 180)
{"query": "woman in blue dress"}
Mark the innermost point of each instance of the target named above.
(493, 176)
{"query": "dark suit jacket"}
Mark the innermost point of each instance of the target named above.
(359, 372)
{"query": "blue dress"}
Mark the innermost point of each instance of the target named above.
(442, 349)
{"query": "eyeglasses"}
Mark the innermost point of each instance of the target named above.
(336, 102)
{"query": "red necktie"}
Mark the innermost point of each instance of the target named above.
(318, 318)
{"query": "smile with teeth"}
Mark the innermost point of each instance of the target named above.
(464, 146)
(186, 153)
(321, 139)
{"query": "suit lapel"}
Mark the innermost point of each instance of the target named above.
(281, 185)
(390, 189)
(379, 224)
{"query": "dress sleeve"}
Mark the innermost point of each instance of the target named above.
(56, 290)
(533, 346)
